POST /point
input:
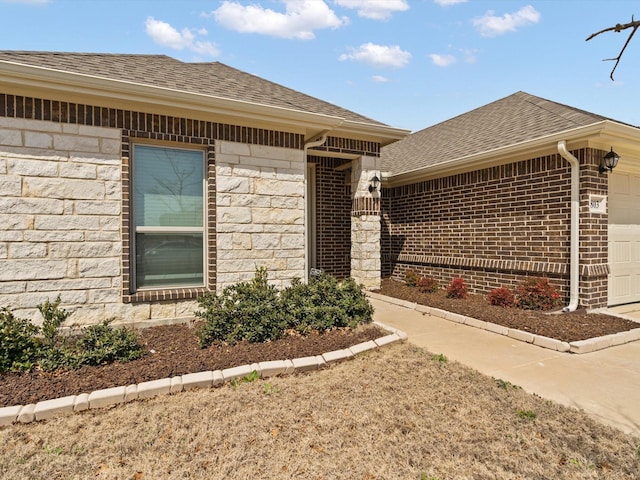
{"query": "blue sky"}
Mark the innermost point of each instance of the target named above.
(407, 63)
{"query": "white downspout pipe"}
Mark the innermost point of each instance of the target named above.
(315, 142)
(574, 267)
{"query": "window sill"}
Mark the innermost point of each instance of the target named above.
(145, 296)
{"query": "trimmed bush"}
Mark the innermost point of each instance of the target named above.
(244, 311)
(256, 311)
(502, 297)
(537, 294)
(24, 345)
(428, 285)
(457, 289)
(19, 347)
(325, 303)
(411, 278)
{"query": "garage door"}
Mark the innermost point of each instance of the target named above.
(624, 239)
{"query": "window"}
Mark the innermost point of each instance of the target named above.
(168, 217)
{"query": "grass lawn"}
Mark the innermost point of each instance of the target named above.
(396, 413)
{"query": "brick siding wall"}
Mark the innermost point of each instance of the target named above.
(494, 226)
(333, 229)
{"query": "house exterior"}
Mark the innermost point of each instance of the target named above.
(488, 196)
(132, 184)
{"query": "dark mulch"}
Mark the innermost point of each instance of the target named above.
(567, 327)
(175, 352)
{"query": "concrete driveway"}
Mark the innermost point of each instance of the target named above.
(605, 384)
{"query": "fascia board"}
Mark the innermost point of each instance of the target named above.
(605, 132)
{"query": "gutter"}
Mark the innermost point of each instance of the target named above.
(574, 268)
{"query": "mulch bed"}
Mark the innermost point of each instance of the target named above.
(175, 352)
(567, 327)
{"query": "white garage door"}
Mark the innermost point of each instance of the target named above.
(624, 239)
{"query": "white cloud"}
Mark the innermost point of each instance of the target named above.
(378, 55)
(300, 19)
(491, 25)
(442, 60)
(164, 34)
(446, 3)
(375, 9)
(380, 79)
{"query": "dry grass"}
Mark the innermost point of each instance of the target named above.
(396, 413)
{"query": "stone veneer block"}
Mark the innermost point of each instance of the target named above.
(82, 403)
(423, 309)
(273, 368)
(218, 378)
(475, 323)
(106, 397)
(9, 415)
(362, 347)
(583, 346)
(400, 333)
(387, 339)
(176, 384)
(337, 355)
(154, 387)
(305, 364)
(455, 317)
(26, 414)
(499, 329)
(551, 343)
(436, 312)
(290, 367)
(49, 408)
(197, 380)
(520, 335)
(236, 372)
(131, 393)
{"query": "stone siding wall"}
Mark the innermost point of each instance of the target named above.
(60, 206)
(260, 213)
(495, 226)
(365, 224)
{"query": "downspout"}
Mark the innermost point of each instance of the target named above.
(314, 142)
(574, 267)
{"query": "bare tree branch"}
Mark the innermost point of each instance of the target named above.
(634, 24)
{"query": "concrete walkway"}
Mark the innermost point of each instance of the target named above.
(605, 384)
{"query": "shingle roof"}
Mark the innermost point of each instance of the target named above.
(509, 121)
(214, 78)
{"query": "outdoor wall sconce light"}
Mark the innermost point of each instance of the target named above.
(375, 183)
(610, 161)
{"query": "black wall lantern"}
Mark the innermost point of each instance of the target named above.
(375, 183)
(609, 162)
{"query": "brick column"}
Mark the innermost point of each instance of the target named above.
(365, 224)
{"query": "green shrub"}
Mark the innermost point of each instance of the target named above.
(537, 294)
(99, 344)
(255, 311)
(457, 289)
(53, 317)
(411, 278)
(502, 297)
(244, 311)
(325, 303)
(19, 347)
(428, 285)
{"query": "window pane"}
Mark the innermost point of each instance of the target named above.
(168, 187)
(169, 260)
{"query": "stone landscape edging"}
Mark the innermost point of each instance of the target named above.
(116, 395)
(577, 347)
